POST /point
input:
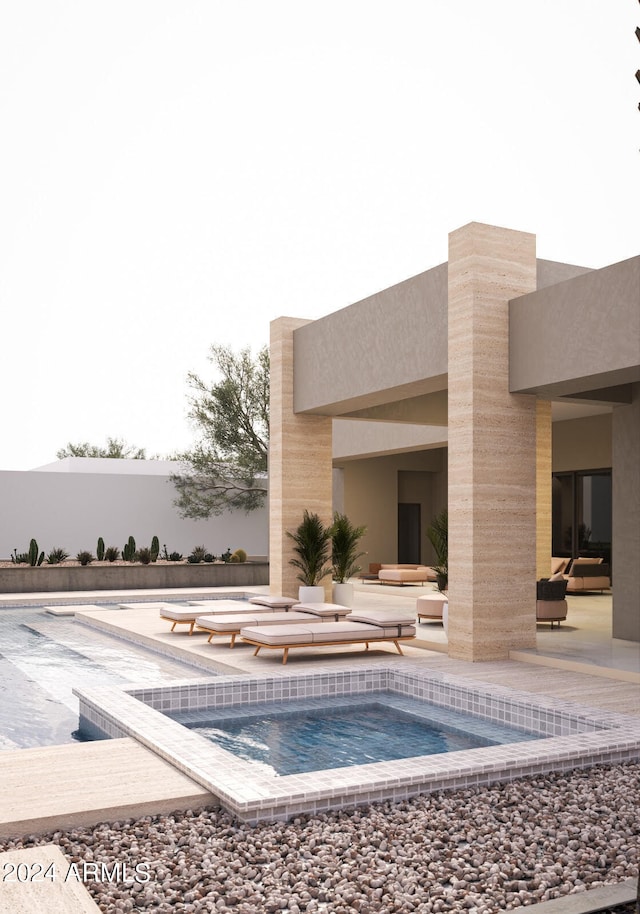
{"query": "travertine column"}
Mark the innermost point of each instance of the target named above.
(300, 468)
(626, 518)
(543, 488)
(492, 449)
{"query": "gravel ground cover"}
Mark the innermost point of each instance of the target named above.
(479, 850)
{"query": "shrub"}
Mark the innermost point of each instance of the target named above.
(85, 558)
(197, 554)
(175, 557)
(111, 553)
(312, 546)
(226, 556)
(209, 557)
(241, 556)
(144, 555)
(234, 558)
(20, 558)
(345, 538)
(56, 556)
(165, 554)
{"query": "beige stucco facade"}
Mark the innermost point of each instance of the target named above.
(455, 387)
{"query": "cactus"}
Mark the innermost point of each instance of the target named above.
(35, 557)
(129, 550)
(240, 556)
(100, 549)
(155, 549)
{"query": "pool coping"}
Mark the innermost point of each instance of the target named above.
(573, 736)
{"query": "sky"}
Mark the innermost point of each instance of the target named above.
(179, 173)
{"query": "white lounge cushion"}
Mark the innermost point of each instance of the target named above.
(274, 601)
(323, 632)
(324, 609)
(227, 606)
(383, 616)
(279, 634)
(179, 613)
(235, 621)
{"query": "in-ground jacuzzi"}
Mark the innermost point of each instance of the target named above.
(567, 736)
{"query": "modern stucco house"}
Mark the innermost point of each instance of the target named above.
(505, 386)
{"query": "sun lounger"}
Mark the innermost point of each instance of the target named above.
(358, 628)
(187, 615)
(232, 624)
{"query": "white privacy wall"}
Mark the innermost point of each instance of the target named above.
(71, 507)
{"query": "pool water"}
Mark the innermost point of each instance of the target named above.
(43, 657)
(338, 734)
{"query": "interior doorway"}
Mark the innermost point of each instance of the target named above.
(409, 531)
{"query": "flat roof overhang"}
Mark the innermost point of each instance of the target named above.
(579, 339)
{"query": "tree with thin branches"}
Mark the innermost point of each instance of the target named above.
(226, 470)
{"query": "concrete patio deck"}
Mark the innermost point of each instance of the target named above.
(56, 786)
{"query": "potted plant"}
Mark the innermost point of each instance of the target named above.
(438, 533)
(344, 555)
(312, 543)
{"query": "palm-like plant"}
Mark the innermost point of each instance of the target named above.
(438, 533)
(312, 542)
(344, 544)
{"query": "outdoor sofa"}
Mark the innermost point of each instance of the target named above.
(406, 574)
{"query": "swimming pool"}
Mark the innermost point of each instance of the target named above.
(42, 657)
(570, 736)
(309, 735)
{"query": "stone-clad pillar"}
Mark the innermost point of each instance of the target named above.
(492, 449)
(544, 471)
(626, 518)
(300, 463)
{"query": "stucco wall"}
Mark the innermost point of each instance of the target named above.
(375, 350)
(582, 444)
(579, 335)
(374, 487)
(72, 510)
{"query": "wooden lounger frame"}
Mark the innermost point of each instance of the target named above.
(175, 622)
(213, 632)
(366, 641)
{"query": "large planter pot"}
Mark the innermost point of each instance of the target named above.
(343, 594)
(311, 594)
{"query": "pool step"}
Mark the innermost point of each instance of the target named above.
(603, 898)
